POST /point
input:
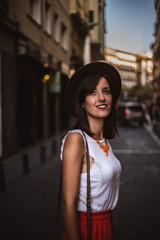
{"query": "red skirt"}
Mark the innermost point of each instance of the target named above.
(101, 225)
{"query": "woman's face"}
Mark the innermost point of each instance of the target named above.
(98, 103)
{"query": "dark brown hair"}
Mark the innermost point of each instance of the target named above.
(87, 85)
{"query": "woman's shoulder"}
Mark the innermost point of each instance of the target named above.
(74, 136)
(73, 139)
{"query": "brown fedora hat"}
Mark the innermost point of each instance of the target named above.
(99, 67)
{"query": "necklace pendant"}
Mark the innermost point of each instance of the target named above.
(105, 148)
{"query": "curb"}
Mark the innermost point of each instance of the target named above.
(149, 127)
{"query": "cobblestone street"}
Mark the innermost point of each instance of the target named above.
(28, 207)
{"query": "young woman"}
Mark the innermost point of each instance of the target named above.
(91, 96)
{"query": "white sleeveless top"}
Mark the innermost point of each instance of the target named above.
(104, 177)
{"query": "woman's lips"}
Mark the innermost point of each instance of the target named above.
(103, 106)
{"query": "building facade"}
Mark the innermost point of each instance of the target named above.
(134, 68)
(97, 29)
(144, 68)
(156, 72)
(79, 32)
(88, 29)
(41, 41)
(34, 68)
(156, 53)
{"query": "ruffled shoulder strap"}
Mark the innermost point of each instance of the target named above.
(63, 140)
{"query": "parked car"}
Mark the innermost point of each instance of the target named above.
(130, 112)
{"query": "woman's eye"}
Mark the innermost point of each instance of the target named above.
(107, 91)
(92, 92)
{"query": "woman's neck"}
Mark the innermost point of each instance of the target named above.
(96, 127)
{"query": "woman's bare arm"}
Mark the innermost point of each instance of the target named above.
(73, 155)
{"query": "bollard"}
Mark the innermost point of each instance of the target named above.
(54, 147)
(2, 179)
(43, 154)
(25, 164)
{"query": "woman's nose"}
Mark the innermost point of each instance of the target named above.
(101, 96)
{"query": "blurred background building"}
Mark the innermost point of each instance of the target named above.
(144, 68)
(156, 53)
(134, 68)
(125, 63)
(156, 71)
(97, 26)
(35, 54)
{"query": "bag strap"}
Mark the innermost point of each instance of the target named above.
(88, 204)
(88, 200)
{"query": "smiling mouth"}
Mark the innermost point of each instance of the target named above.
(102, 106)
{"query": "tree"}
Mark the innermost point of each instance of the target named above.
(142, 93)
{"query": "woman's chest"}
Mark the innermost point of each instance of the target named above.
(108, 167)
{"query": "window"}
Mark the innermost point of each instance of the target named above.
(48, 26)
(34, 7)
(91, 16)
(56, 28)
(64, 37)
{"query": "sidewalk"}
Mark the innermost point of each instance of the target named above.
(28, 207)
(24, 162)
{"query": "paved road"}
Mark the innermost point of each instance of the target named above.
(137, 214)
(27, 209)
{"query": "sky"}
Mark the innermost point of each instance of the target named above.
(130, 25)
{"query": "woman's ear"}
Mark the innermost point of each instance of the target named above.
(82, 105)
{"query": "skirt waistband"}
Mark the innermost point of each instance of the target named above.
(95, 215)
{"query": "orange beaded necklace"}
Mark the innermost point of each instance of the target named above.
(104, 147)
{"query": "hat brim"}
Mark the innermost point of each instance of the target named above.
(100, 67)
